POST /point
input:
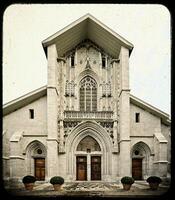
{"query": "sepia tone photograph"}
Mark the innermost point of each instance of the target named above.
(86, 100)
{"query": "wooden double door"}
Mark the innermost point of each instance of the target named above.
(81, 163)
(40, 169)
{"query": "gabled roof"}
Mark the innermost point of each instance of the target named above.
(155, 111)
(24, 100)
(87, 27)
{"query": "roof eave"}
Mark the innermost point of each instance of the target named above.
(51, 39)
(24, 100)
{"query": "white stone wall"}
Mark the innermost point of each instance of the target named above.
(146, 131)
(31, 129)
(146, 126)
(19, 120)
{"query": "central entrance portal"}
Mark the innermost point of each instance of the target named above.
(95, 168)
(88, 160)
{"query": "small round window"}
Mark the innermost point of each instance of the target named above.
(136, 152)
(39, 151)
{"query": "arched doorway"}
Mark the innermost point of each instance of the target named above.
(36, 160)
(140, 160)
(95, 155)
(88, 159)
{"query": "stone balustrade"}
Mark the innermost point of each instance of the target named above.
(88, 115)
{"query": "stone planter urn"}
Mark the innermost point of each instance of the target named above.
(57, 182)
(57, 187)
(29, 186)
(126, 186)
(154, 182)
(29, 182)
(127, 182)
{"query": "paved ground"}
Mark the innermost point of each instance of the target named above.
(89, 189)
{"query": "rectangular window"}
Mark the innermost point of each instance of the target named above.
(31, 113)
(72, 61)
(103, 62)
(137, 117)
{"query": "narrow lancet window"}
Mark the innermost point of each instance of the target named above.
(31, 113)
(137, 117)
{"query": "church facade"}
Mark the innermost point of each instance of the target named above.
(85, 125)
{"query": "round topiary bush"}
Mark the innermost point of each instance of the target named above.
(127, 180)
(154, 179)
(57, 180)
(28, 179)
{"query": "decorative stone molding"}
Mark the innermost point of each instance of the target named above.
(87, 44)
(68, 126)
(98, 115)
(108, 127)
(106, 89)
(17, 136)
(70, 88)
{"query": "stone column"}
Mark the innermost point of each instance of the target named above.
(52, 112)
(124, 114)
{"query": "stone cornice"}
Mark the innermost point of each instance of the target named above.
(124, 90)
(53, 87)
(16, 157)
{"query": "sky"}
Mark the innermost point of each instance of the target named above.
(147, 27)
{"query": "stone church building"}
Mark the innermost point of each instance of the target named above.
(85, 125)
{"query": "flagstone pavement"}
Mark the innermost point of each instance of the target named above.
(90, 189)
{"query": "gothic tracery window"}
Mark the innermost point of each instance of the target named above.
(88, 144)
(88, 94)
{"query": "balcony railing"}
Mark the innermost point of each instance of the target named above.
(88, 115)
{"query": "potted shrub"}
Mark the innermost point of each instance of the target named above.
(57, 181)
(127, 181)
(29, 182)
(154, 182)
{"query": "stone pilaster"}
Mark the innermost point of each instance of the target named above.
(52, 111)
(160, 150)
(124, 114)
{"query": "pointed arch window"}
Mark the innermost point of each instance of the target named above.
(88, 94)
(88, 144)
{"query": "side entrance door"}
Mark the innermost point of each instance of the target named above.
(95, 168)
(137, 168)
(40, 169)
(81, 168)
